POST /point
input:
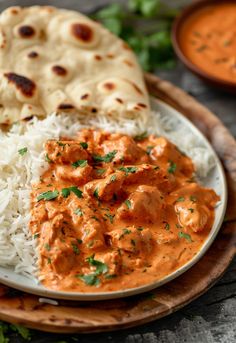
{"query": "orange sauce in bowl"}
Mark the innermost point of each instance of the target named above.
(208, 40)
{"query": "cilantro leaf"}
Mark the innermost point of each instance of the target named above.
(66, 192)
(106, 158)
(80, 163)
(84, 145)
(89, 279)
(22, 151)
(49, 195)
(172, 167)
(101, 268)
(141, 137)
(128, 203)
(182, 234)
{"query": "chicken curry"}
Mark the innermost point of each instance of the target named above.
(113, 212)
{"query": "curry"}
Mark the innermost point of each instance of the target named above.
(113, 212)
(208, 39)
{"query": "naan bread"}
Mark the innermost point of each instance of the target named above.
(58, 60)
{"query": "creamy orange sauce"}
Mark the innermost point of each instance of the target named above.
(112, 212)
(208, 39)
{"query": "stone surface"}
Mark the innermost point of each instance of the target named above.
(212, 317)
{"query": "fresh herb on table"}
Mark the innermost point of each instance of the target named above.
(146, 26)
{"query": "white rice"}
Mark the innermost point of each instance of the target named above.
(17, 246)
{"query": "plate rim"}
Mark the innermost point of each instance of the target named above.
(82, 296)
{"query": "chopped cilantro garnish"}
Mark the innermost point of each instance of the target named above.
(110, 217)
(180, 199)
(66, 192)
(110, 276)
(47, 247)
(172, 167)
(79, 241)
(79, 212)
(61, 144)
(128, 170)
(107, 158)
(80, 163)
(141, 137)
(89, 279)
(95, 193)
(149, 149)
(49, 195)
(191, 210)
(193, 198)
(84, 145)
(22, 331)
(126, 231)
(133, 242)
(167, 226)
(182, 234)
(75, 249)
(47, 159)
(22, 151)
(100, 171)
(128, 203)
(36, 235)
(140, 228)
(113, 178)
(101, 268)
(49, 260)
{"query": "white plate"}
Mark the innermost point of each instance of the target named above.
(215, 180)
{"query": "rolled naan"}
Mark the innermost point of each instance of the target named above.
(56, 60)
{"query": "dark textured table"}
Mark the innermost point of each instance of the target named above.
(212, 317)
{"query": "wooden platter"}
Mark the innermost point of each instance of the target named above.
(68, 317)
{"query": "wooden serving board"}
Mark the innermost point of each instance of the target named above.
(70, 317)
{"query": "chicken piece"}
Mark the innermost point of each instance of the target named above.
(39, 214)
(148, 174)
(164, 152)
(144, 205)
(112, 260)
(107, 187)
(77, 176)
(93, 230)
(64, 257)
(127, 149)
(192, 216)
(131, 239)
(65, 151)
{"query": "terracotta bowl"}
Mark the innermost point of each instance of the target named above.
(176, 35)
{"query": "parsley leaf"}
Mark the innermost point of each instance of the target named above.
(49, 195)
(22, 151)
(107, 158)
(100, 171)
(47, 159)
(113, 178)
(110, 217)
(80, 163)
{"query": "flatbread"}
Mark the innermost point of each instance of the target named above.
(59, 60)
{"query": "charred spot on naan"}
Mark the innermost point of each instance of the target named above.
(33, 54)
(66, 107)
(82, 32)
(26, 31)
(26, 86)
(59, 70)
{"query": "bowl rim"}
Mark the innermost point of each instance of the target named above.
(175, 34)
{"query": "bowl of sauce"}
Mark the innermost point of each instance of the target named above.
(204, 38)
